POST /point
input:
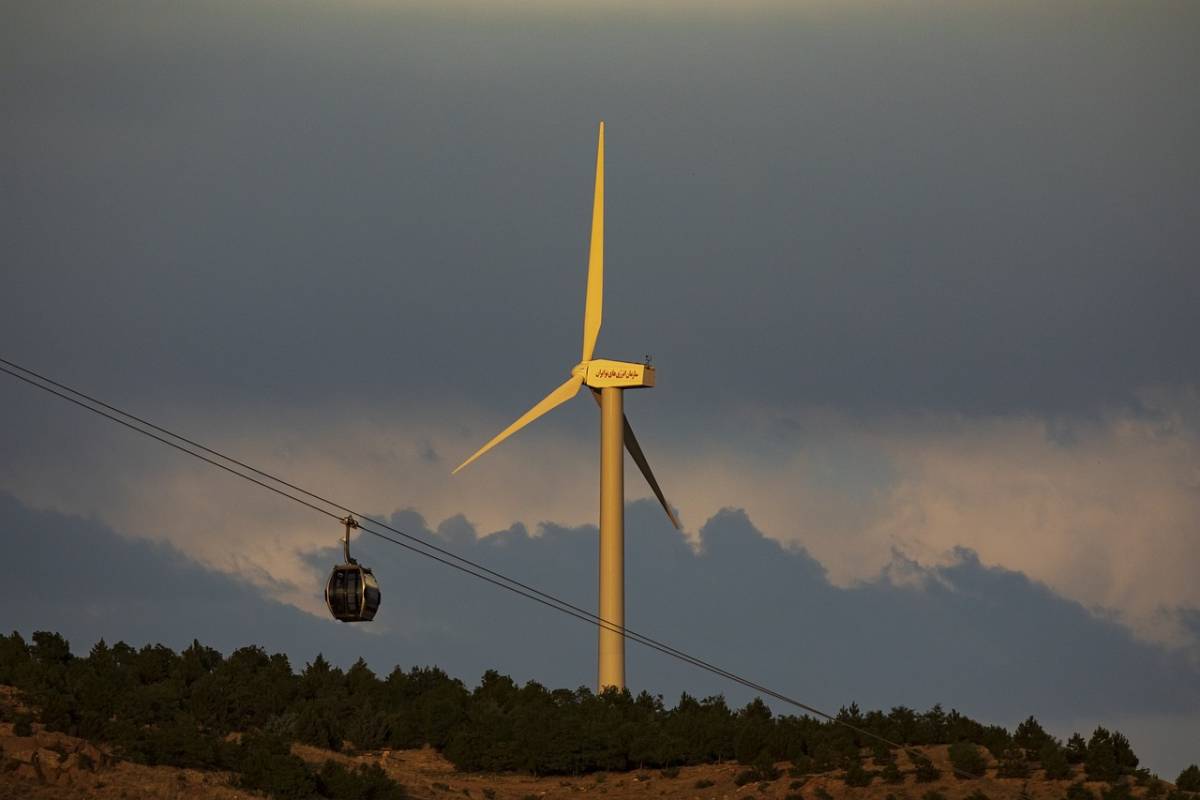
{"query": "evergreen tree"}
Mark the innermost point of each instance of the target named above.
(1189, 779)
(1101, 760)
(1076, 750)
(1054, 761)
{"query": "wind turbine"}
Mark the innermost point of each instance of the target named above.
(607, 380)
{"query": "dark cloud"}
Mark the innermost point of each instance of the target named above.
(981, 208)
(985, 640)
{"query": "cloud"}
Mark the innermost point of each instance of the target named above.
(1106, 518)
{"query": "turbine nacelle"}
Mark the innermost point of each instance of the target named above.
(602, 373)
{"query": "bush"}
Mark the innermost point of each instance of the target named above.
(1013, 764)
(977, 795)
(1077, 791)
(855, 775)
(926, 771)
(368, 782)
(745, 776)
(1117, 791)
(23, 725)
(669, 772)
(891, 774)
(1189, 779)
(933, 794)
(821, 794)
(267, 765)
(968, 762)
(703, 783)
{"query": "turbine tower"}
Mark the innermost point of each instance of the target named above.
(607, 380)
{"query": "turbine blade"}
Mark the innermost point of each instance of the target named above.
(635, 450)
(556, 398)
(595, 280)
(639, 458)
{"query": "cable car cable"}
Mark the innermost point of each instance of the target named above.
(500, 580)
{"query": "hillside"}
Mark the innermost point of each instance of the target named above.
(149, 722)
(52, 766)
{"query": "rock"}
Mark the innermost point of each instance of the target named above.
(22, 750)
(49, 764)
(97, 757)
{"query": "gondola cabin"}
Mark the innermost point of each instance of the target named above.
(352, 592)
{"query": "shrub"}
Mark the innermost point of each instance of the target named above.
(1077, 791)
(968, 762)
(799, 784)
(821, 794)
(891, 774)
(801, 766)
(489, 793)
(745, 776)
(669, 772)
(23, 726)
(368, 782)
(764, 765)
(926, 771)
(855, 775)
(703, 783)
(1013, 764)
(933, 794)
(1189, 779)
(267, 765)
(1117, 791)
(977, 795)
(1155, 789)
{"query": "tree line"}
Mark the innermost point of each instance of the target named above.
(156, 706)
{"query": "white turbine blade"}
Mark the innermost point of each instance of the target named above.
(595, 280)
(639, 458)
(556, 398)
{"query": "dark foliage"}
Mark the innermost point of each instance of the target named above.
(855, 775)
(1077, 791)
(925, 770)
(1117, 791)
(1013, 764)
(1109, 756)
(968, 762)
(1054, 761)
(1189, 779)
(160, 707)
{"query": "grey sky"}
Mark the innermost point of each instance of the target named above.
(915, 277)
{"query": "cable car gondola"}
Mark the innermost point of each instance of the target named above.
(352, 593)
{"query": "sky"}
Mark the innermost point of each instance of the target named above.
(919, 281)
